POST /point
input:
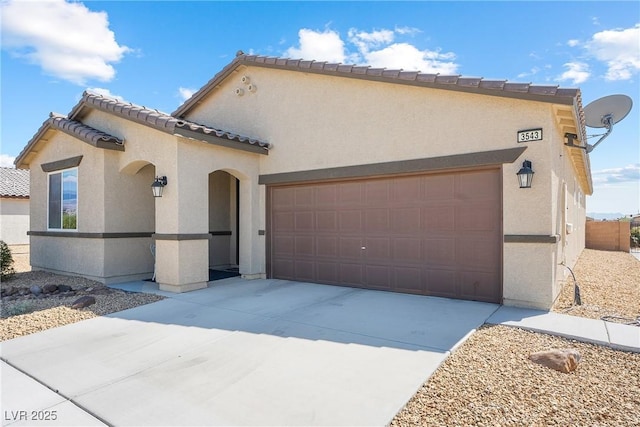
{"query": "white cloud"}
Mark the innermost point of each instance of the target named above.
(408, 30)
(409, 57)
(573, 43)
(578, 72)
(321, 46)
(376, 48)
(185, 93)
(104, 92)
(6, 161)
(629, 173)
(619, 49)
(67, 40)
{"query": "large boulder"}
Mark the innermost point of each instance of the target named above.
(565, 360)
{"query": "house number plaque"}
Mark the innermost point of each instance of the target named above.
(530, 135)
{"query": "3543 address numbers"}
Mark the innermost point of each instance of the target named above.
(530, 135)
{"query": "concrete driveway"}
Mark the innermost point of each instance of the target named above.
(260, 352)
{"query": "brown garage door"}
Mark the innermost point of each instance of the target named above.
(429, 234)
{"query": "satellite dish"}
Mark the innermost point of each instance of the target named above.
(603, 113)
(607, 111)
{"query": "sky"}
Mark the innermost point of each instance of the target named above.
(157, 54)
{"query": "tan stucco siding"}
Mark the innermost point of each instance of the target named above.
(90, 182)
(14, 220)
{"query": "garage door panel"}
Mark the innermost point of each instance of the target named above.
(480, 286)
(283, 269)
(377, 192)
(376, 220)
(327, 272)
(477, 254)
(377, 249)
(327, 246)
(351, 274)
(406, 220)
(407, 191)
(433, 234)
(438, 218)
(284, 245)
(477, 186)
(304, 270)
(283, 221)
(377, 276)
(349, 193)
(304, 197)
(350, 247)
(326, 221)
(304, 246)
(282, 197)
(409, 279)
(481, 218)
(441, 282)
(350, 221)
(326, 196)
(440, 252)
(304, 221)
(438, 187)
(407, 250)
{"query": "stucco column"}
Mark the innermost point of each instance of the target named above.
(182, 235)
(251, 234)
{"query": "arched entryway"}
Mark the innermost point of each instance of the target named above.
(224, 224)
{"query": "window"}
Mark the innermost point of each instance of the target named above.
(63, 200)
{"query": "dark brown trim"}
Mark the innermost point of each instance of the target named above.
(262, 232)
(181, 236)
(220, 233)
(88, 235)
(71, 162)
(215, 140)
(431, 164)
(530, 238)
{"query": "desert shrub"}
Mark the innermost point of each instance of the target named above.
(18, 309)
(635, 237)
(6, 262)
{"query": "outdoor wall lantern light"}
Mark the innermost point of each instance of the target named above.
(525, 175)
(158, 185)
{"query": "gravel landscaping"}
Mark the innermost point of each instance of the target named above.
(24, 312)
(488, 380)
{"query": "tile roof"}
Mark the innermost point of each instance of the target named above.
(14, 182)
(155, 119)
(543, 93)
(74, 128)
(95, 137)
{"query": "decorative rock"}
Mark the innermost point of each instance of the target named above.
(64, 288)
(35, 289)
(561, 360)
(83, 302)
(49, 289)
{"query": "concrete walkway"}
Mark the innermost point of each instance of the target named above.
(259, 352)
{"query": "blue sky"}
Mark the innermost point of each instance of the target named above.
(157, 53)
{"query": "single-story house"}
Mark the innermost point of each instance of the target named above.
(320, 172)
(14, 206)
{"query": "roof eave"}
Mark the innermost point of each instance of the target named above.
(549, 94)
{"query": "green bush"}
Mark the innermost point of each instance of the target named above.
(6, 262)
(635, 237)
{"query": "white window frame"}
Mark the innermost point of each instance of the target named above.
(61, 172)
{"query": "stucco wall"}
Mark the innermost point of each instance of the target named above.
(317, 122)
(14, 220)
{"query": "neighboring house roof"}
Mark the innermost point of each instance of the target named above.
(14, 183)
(73, 126)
